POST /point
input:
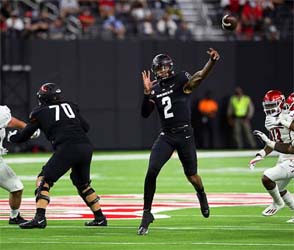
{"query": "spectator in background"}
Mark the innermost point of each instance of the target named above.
(57, 29)
(68, 7)
(40, 26)
(105, 6)
(239, 113)
(141, 17)
(183, 32)
(174, 10)
(3, 26)
(271, 32)
(87, 19)
(166, 27)
(232, 7)
(111, 26)
(251, 20)
(14, 24)
(157, 8)
(207, 108)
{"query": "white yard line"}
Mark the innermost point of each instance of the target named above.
(144, 156)
(26, 241)
(219, 228)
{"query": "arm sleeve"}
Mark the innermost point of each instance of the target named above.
(25, 134)
(147, 106)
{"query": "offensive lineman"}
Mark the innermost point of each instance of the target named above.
(65, 128)
(170, 94)
(276, 179)
(8, 179)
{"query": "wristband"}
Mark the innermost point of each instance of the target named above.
(271, 144)
(261, 153)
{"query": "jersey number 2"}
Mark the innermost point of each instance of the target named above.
(166, 101)
(66, 109)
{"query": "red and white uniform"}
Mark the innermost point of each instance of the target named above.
(283, 171)
(8, 179)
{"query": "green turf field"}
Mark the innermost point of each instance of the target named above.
(236, 227)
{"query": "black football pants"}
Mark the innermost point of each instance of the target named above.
(76, 157)
(161, 152)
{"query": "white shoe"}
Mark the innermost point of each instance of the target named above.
(291, 220)
(272, 209)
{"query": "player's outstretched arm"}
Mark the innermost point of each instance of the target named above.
(146, 77)
(285, 148)
(200, 75)
(16, 123)
(24, 134)
(148, 104)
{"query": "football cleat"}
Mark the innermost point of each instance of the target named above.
(146, 220)
(17, 220)
(203, 204)
(99, 222)
(291, 220)
(272, 209)
(34, 223)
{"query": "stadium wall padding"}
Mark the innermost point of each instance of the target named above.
(104, 78)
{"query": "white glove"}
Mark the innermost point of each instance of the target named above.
(264, 138)
(254, 161)
(11, 133)
(286, 120)
(271, 122)
(3, 151)
(36, 134)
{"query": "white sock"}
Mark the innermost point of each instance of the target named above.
(13, 213)
(276, 196)
(288, 199)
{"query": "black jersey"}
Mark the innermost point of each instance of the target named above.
(172, 103)
(60, 122)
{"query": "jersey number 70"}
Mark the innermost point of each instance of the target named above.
(66, 109)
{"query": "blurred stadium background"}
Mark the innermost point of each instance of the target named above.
(96, 49)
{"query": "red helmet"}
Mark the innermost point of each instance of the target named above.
(273, 102)
(289, 103)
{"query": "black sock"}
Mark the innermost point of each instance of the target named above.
(149, 191)
(98, 214)
(200, 191)
(40, 213)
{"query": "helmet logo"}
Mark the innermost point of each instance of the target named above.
(58, 91)
(44, 88)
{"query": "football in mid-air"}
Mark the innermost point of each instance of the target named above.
(229, 22)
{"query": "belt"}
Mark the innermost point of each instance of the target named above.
(176, 129)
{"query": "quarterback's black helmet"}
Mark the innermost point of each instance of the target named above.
(160, 62)
(49, 93)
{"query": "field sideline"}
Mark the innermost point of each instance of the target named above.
(235, 193)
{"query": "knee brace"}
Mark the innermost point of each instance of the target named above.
(85, 194)
(42, 188)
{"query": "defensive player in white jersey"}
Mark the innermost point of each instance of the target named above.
(8, 179)
(276, 179)
(286, 119)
